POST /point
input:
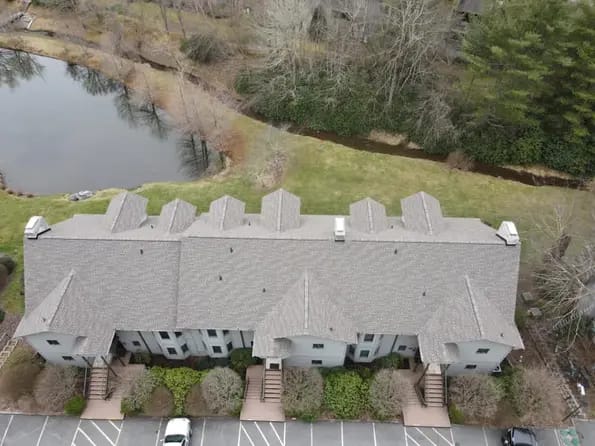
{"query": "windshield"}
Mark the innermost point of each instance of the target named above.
(174, 439)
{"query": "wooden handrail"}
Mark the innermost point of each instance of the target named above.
(264, 371)
(417, 386)
(85, 383)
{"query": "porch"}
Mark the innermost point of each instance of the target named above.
(424, 402)
(262, 395)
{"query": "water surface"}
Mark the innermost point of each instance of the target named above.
(65, 128)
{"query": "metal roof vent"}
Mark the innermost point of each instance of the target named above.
(339, 229)
(507, 232)
(35, 227)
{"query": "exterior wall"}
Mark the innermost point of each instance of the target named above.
(54, 353)
(136, 342)
(484, 362)
(382, 345)
(303, 353)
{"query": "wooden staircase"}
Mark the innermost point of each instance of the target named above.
(7, 350)
(272, 386)
(97, 387)
(434, 388)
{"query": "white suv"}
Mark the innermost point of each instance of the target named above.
(177, 432)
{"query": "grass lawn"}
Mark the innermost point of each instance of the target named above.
(328, 177)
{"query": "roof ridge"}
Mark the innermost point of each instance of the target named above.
(173, 215)
(66, 286)
(120, 207)
(224, 214)
(306, 301)
(279, 209)
(369, 209)
(426, 213)
(474, 306)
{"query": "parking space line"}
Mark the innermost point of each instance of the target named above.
(276, 434)
(103, 433)
(42, 430)
(406, 440)
(374, 433)
(75, 432)
(342, 433)
(557, 437)
(86, 436)
(444, 438)
(119, 432)
(311, 435)
(485, 437)
(115, 426)
(452, 437)
(202, 434)
(262, 434)
(425, 436)
(159, 432)
(239, 432)
(246, 432)
(6, 430)
(284, 433)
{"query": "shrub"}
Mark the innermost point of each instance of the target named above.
(455, 414)
(459, 160)
(2, 313)
(476, 396)
(241, 359)
(139, 394)
(204, 47)
(179, 381)
(8, 263)
(222, 389)
(390, 361)
(18, 375)
(387, 393)
(59, 5)
(302, 392)
(196, 406)
(75, 405)
(160, 404)
(534, 396)
(345, 394)
(520, 317)
(141, 358)
(54, 386)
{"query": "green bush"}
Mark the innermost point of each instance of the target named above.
(179, 381)
(204, 47)
(241, 359)
(2, 315)
(59, 5)
(387, 393)
(75, 405)
(161, 403)
(141, 358)
(140, 392)
(8, 263)
(345, 394)
(222, 390)
(455, 414)
(302, 392)
(520, 317)
(390, 361)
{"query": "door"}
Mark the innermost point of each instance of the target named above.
(274, 366)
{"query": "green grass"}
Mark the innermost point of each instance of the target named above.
(327, 177)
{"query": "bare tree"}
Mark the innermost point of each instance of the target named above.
(163, 10)
(476, 395)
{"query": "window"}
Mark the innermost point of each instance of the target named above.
(67, 358)
(317, 346)
(184, 348)
(316, 362)
(178, 333)
(212, 333)
(53, 342)
(225, 332)
(217, 349)
(164, 334)
(470, 366)
(482, 351)
(368, 337)
(136, 343)
(229, 346)
(364, 353)
(172, 351)
(402, 348)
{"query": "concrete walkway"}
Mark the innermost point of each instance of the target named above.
(253, 408)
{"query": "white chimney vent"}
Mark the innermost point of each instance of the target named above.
(508, 233)
(35, 227)
(339, 229)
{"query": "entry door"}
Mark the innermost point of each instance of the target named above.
(274, 366)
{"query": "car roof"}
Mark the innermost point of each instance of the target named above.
(177, 426)
(522, 436)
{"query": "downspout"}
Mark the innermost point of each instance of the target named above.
(242, 336)
(392, 349)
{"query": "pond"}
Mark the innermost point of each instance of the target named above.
(66, 128)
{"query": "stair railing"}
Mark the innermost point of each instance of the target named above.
(85, 383)
(417, 386)
(264, 371)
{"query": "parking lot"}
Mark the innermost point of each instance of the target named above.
(25, 430)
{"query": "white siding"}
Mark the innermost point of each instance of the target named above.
(135, 342)
(381, 345)
(410, 343)
(303, 353)
(484, 362)
(54, 353)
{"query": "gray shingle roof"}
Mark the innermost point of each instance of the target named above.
(368, 215)
(422, 212)
(280, 211)
(176, 216)
(213, 275)
(307, 309)
(226, 213)
(126, 211)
